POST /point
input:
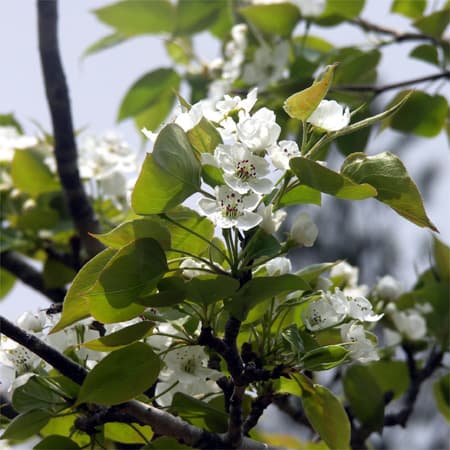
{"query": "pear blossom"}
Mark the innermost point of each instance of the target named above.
(361, 348)
(192, 268)
(329, 310)
(231, 209)
(361, 309)
(330, 116)
(281, 153)
(271, 221)
(190, 118)
(260, 131)
(243, 171)
(268, 65)
(186, 371)
(345, 274)
(11, 140)
(409, 322)
(388, 288)
(278, 266)
(304, 231)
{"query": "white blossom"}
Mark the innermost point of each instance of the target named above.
(278, 266)
(330, 116)
(311, 8)
(388, 288)
(186, 370)
(346, 274)
(260, 131)
(409, 322)
(268, 65)
(231, 209)
(304, 231)
(271, 221)
(361, 348)
(11, 140)
(361, 309)
(190, 118)
(243, 171)
(281, 153)
(192, 268)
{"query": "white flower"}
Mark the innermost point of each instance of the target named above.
(271, 221)
(186, 369)
(330, 116)
(410, 323)
(230, 104)
(268, 65)
(260, 131)
(150, 135)
(243, 171)
(346, 274)
(361, 348)
(190, 118)
(235, 52)
(192, 268)
(391, 338)
(281, 154)
(361, 309)
(388, 288)
(311, 8)
(11, 139)
(327, 311)
(304, 231)
(231, 209)
(278, 266)
(32, 322)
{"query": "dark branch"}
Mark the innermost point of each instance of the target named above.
(65, 147)
(161, 422)
(17, 265)
(397, 36)
(258, 407)
(387, 87)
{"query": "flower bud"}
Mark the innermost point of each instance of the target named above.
(304, 231)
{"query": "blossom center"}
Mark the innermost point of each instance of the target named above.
(231, 205)
(245, 170)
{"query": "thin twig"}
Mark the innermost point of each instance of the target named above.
(65, 147)
(17, 265)
(387, 87)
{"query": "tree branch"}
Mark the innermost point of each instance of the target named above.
(397, 36)
(161, 422)
(17, 265)
(65, 147)
(387, 87)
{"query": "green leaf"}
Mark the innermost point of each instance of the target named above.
(154, 116)
(64, 426)
(104, 43)
(171, 291)
(26, 424)
(56, 274)
(7, 281)
(169, 175)
(365, 397)
(441, 392)
(258, 289)
(435, 23)
(10, 120)
(56, 442)
(75, 306)
(184, 222)
(337, 10)
(148, 91)
(357, 141)
(37, 218)
(302, 104)
(442, 258)
(127, 434)
(26, 162)
(262, 16)
(324, 358)
(312, 272)
(300, 195)
(36, 394)
(325, 180)
(179, 49)
(327, 416)
(195, 16)
(204, 137)
(121, 375)
(390, 376)
(262, 245)
(121, 338)
(293, 337)
(197, 411)
(127, 232)
(387, 174)
(427, 53)
(133, 17)
(356, 66)
(423, 114)
(208, 289)
(409, 8)
(132, 272)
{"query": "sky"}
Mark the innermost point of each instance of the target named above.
(99, 82)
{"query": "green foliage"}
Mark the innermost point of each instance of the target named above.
(324, 358)
(441, 392)
(109, 384)
(109, 41)
(409, 8)
(427, 53)
(127, 433)
(55, 442)
(26, 424)
(7, 281)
